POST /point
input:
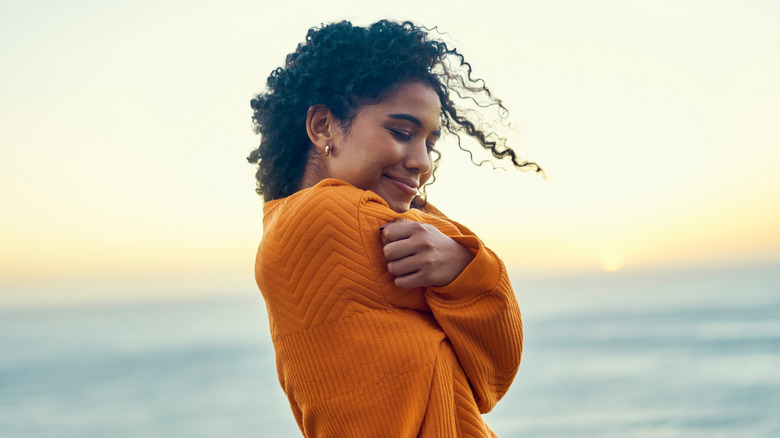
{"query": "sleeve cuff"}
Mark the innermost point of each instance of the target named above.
(479, 277)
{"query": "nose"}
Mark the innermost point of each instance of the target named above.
(418, 159)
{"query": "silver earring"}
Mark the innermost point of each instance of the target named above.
(327, 150)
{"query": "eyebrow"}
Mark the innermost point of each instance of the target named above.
(412, 119)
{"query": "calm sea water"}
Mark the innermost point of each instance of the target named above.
(675, 355)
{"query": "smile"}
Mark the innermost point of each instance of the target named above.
(405, 185)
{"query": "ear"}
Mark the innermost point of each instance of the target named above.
(320, 125)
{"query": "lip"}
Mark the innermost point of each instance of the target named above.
(406, 185)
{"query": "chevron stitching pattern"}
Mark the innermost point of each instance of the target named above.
(320, 269)
(314, 264)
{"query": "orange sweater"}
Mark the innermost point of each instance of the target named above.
(359, 357)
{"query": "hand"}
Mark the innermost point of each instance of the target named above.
(419, 254)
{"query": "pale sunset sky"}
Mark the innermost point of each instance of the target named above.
(124, 127)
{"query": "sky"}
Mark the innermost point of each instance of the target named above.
(124, 128)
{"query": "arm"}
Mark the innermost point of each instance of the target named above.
(470, 297)
(479, 313)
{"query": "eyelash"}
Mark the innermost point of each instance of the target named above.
(406, 137)
(401, 135)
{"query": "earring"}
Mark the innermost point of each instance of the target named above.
(327, 150)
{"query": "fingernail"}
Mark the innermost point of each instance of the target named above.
(382, 228)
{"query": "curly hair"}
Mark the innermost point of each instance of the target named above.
(345, 67)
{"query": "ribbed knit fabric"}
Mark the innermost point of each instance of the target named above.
(359, 357)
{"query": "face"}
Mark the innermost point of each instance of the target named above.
(388, 147)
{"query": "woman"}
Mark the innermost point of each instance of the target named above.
(387, 318)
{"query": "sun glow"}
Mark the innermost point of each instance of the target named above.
(612, 261)
(604, 206)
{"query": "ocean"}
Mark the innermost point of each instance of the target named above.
(679, 354)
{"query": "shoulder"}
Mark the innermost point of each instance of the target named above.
(317, 226)
(333, 203)
(327, 207)
(328, 195)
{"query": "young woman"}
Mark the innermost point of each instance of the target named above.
(388, 319)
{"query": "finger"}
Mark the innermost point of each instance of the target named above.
(411, 281)
(389, 232)
(399, 249)
(404, 266)
(397, 230)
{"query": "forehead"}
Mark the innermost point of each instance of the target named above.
(416, 99)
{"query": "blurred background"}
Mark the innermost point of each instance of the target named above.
(647, 264)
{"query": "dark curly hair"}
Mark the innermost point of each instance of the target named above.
(345, 67)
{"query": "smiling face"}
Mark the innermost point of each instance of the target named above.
(387, 148)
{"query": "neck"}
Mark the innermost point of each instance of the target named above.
(313, 173)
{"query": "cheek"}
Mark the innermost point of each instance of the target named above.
(381, 153)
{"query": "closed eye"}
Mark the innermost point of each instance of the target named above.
(401, 135)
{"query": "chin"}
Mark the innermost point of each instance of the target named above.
(395, 204)
(399, 207)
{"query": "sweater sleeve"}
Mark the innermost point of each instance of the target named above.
(479, 313)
